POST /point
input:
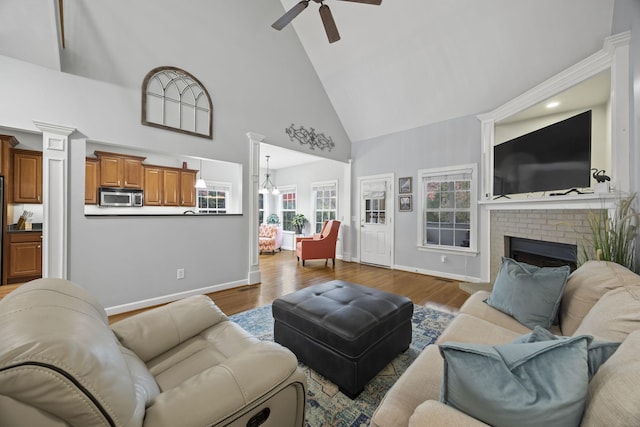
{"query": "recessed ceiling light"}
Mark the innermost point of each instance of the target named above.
(553, 104)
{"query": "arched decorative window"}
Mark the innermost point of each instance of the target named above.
(174, 99)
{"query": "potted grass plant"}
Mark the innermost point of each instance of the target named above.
(613, 237)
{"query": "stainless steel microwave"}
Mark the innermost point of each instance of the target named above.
(121, 197)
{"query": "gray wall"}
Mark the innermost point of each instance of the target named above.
(262, 84)
(449, 143)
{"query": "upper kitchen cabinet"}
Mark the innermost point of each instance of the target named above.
(91, 179)
(188, 187)
(119, 170)
(27, 176)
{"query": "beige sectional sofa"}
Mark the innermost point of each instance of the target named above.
(601, 299)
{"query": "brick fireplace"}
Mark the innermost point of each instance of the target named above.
(565, 226)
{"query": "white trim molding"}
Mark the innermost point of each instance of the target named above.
(614, 56)
(55, 174)
(254, 275)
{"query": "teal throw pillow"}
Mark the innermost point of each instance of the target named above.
(526, 385)
(528, 293)
(597, 353)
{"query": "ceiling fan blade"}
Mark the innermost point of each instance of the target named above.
(375, 2)
(290, 14)
(329, 24)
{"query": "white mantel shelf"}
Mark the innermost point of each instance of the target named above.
(571, 201)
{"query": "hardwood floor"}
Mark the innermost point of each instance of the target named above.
(281, 274)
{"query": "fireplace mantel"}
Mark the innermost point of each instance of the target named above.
(572, 201)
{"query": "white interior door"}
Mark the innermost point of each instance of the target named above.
(376, 220)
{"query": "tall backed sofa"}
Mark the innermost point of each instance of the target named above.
(183, 364)
(601, 299)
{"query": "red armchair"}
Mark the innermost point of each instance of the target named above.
(322, 245)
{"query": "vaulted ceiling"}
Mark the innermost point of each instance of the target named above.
(400, 65)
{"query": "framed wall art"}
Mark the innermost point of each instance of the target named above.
(404, 185)
(405, 203)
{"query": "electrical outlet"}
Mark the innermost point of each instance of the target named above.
(180, 273)
(443, 258)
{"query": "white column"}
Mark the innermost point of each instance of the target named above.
(254, 181)
(55, 165)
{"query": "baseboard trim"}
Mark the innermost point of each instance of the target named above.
(443, 274)
(137, 305)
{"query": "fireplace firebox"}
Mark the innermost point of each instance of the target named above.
(541, 253)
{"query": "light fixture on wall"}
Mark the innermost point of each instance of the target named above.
(267, 184)
(200, 184)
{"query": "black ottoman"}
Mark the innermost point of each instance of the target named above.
(345, 332)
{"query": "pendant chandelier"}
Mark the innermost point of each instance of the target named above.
(268, 185)
(200, 184)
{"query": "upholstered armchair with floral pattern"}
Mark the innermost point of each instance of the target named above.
(270, 238)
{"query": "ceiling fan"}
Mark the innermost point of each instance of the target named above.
(325, 13)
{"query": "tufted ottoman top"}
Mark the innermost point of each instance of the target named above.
(345, 317)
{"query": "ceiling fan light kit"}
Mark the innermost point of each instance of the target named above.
(325, 14)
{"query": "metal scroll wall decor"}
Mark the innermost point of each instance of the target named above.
(310, 137)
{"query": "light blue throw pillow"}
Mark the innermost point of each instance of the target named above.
(526, 385)
(597, 353)
(528, 293)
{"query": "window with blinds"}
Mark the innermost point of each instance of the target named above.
(448, 207)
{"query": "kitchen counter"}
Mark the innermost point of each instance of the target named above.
(36, 226)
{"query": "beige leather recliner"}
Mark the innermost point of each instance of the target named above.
(183, 364)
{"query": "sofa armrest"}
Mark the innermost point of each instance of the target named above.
(432, 413)
(221, 391)
(155, 331)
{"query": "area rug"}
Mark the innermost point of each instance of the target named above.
(326, 405)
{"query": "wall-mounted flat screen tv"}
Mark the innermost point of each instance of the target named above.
(556, 157)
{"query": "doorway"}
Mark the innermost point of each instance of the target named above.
(376, 219)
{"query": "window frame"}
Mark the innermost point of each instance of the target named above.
(314, 224)
(214, 186)
(281, 211)
(423, 175)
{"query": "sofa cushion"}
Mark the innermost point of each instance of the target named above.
(532, 384)
(59, 356)
(598, 352)
(614, 316)
(476, 306)
(153, 332)
(421, 381)
(471, 329)
(528, 293)
(613, 392)
(586, 285)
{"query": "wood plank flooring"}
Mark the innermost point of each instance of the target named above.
(282, 274)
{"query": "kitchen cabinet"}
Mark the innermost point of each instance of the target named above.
(27, 176)
(188, 188)
(153, 193)
(171, 187)
(91, 180)
(25, 256)
(164, 186)
(120, 170)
